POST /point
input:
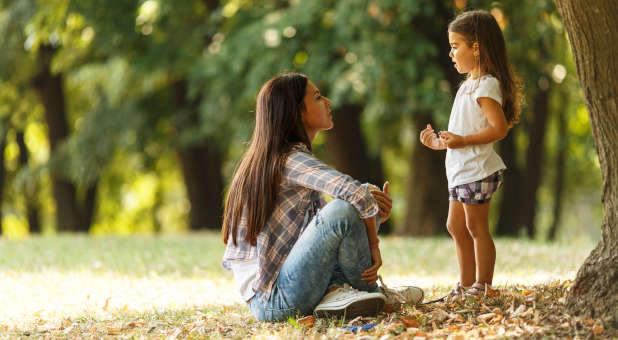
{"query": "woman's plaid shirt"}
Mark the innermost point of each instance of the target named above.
(304, 180)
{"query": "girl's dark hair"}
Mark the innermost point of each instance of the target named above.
(481, 27)
(278, 126)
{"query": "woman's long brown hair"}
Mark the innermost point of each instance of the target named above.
(278, 125)
(481, 27)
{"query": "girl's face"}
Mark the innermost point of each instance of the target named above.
(462, 54)
(316, 116)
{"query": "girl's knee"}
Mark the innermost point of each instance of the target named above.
(477, 230)
(456, 229)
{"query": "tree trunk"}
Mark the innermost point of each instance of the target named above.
(427, 204)
(347, 150)
(427, 194)
(534, 160)
(509, 217)
(201, 168)
(560, 171)
(50, 91)
(593, 34)
(32, 211)
(2, 171)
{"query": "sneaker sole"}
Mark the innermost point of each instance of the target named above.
(369, 307)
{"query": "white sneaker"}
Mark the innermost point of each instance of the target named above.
(401, 295)
(350, 303)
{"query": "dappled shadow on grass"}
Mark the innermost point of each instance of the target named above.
(517, 311)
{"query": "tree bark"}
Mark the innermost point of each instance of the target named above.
(32, 211)
(347, 150)
(427, 204)
(201, 168)
(593, 34)
(50, 91)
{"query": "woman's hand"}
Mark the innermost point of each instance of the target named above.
(371, 274)
(385, 202)
(430, 140)
(452, 140)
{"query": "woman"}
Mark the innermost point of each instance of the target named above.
(289, 250)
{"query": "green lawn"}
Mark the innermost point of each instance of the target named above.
(174, 286)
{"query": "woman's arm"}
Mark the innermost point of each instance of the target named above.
(303, 169)
(496, 130)
(371, 273)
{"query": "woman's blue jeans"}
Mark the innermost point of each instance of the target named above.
(332, 250)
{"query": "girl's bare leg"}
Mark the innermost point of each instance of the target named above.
(456, 225)
(485, 251)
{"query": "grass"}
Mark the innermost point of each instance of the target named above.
(173, 286)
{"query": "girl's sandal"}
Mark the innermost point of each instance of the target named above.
(482, 289)
(457, 292)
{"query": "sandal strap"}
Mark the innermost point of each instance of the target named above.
(457, 290)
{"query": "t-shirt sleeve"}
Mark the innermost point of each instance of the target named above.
(488, 87)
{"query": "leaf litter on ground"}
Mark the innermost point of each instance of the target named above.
(515, 311)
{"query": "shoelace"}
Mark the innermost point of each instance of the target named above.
(347, 290)
(391, 292)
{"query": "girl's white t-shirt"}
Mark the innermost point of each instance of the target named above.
(474, 162)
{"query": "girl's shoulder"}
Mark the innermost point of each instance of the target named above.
(489, 80)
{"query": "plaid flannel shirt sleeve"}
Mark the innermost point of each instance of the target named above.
(303, 169)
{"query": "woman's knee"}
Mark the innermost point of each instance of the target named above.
(340, 209)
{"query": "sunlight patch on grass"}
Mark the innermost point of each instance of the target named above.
(85, 282)
(52, 296)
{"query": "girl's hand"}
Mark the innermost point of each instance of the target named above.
(430, 140)
(385, 202)
(371, 274)
(452, 140)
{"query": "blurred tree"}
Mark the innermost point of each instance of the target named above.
(32, 211)
(427, 202)
(167, 38)
(592, 34)
(71, 215)
(36, 33)
(2, 168)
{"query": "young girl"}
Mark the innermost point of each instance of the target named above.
(486, 106)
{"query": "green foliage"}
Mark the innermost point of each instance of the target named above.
(122, 61)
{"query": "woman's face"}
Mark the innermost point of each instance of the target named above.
(316, 116)
(462, 54)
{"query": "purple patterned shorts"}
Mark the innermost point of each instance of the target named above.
(478, 192)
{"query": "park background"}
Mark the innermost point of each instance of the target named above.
(129, 117)
(124, 117)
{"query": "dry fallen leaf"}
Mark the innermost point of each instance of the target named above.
(307, 321)
(113, 330)
(597, 330)
(106, 305)
(485, 317)
(409, 321)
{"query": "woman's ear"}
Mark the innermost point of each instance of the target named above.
(475, 47)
